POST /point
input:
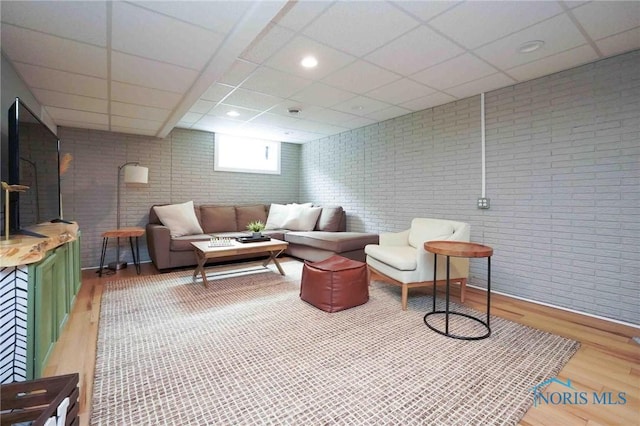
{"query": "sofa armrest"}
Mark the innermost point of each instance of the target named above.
(394, 238)
(158, 244)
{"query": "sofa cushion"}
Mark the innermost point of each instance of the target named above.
(184, 243)
(277, 216)
(403, 258)
(330, 219)
(302, 218)
(179, 218)
(429, 230)
(246, 214)
(336, 242)
(218, 218)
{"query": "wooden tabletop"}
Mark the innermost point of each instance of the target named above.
(133, 231)
(458, 248)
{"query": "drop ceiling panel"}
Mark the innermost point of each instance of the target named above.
(245, 114)
(262, 48)
(454, 72)
(426, 10)
(361, 106)
(238, 72)
(428, 101)
(62, 81)
(84, 21)
(559, 33)
(289, 57)
(135, 123)
(64, 114)
(36, 48)
(299, 14)
(356, 27)
(360, 77)
(600, 19)
(69, 101)
(249, 99)
(202, 106)
(485, 84)
(190, 118)
(475, 23)
(152, 74)
(322, 95)
(400, 91)
(554, 63)
(619, 43)
(219, 16)
(275, 83)
(325, 115)
(161, 38)
(133, 94)
(216, 92)
(387, 113)
(415, 51)
(139, 111)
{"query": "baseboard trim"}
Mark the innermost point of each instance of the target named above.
(628, 324)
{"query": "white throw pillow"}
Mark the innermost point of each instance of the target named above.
(277, 216)
(179, 218)
(302, 218)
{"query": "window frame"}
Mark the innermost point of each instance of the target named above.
(220, 138)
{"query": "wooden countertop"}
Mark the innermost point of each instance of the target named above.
(26, 249)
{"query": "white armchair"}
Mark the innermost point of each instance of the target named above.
(400, 258)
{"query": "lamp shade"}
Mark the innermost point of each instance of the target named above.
(136, 174)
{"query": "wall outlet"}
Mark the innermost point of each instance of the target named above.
(483, 203)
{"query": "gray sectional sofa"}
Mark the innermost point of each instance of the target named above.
(327, 238)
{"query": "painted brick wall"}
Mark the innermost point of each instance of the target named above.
(563, 176)
(180, 169)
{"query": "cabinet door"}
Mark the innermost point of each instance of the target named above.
(41, 316)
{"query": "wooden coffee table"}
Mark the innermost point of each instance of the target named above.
(204, 251)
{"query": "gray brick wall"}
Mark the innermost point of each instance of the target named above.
(563, 176)
(180, 169)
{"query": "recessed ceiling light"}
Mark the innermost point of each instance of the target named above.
(530, 46)
(309, 62)
(233, 113)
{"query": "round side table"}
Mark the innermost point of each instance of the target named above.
(458, 249)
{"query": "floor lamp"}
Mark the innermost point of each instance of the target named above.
(133, 173)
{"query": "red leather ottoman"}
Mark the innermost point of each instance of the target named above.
(334, 284)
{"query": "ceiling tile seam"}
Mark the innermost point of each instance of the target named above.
(158, 60)
(581, 29)
(175, 18)
(53, 35)
(453, 6)
(109, 35)
(54, 69)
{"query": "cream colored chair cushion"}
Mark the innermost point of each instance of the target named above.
(429, 230)
(403, 258)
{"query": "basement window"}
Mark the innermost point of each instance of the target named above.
(246, 155)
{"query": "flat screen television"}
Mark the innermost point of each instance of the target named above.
(33, 152)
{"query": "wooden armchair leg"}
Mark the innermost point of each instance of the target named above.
(405, 294)
(463, 289)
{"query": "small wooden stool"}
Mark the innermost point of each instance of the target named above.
(132, 232)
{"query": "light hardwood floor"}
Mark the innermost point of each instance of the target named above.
(608, 359)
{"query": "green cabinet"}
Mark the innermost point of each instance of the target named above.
(52, 288)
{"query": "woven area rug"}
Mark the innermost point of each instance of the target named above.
(248, 351)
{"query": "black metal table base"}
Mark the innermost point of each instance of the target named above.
(448, 312)
(456, 336)
(135, 253)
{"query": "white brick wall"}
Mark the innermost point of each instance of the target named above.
(563, 175)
